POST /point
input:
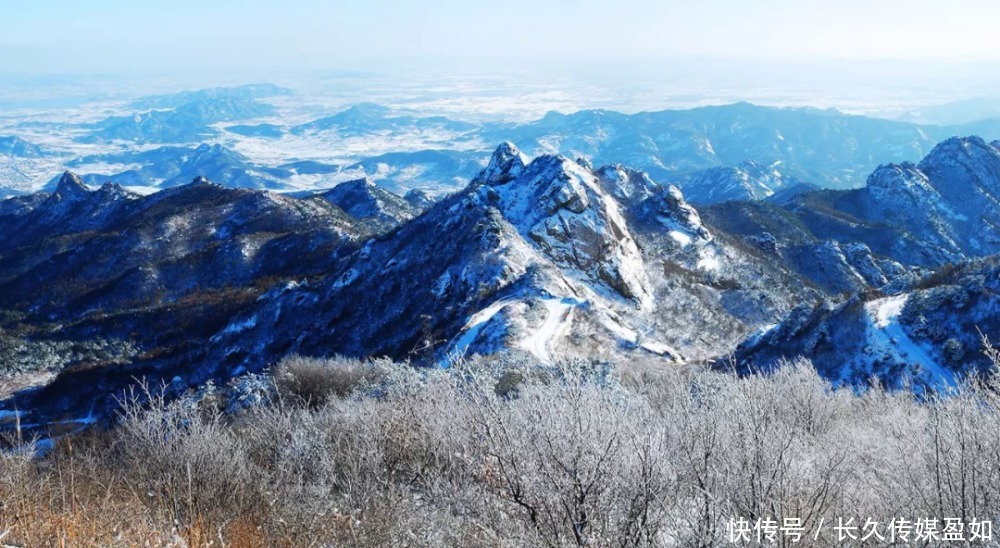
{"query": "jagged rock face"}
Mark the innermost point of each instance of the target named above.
(834, 254)
(530, 251)
(506, 163)
(941, 211)
(519, 261)
(70, 188)
(876, 271)
(405, 295)
(363, 199)
(900, 185)
(628, 186)
(560, 207)
(948, 202)
(651, 207)
(747, 181)
(842, 268)
(669, 210)
(904, 196)
(966, 173)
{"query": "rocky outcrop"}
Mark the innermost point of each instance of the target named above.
(560, 207)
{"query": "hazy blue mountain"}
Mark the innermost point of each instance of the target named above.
(824, 147)
(369, 118)
(171, 166)
(419, 199)
(430, 170)
(909, 218)
(926, 336)
(268, 131)
(309, 167)
(956, 112)
(13, 146)
(20, 163)
(787, 193)
(187, 122)
(712, 153)
(244, 92)
(747, 181)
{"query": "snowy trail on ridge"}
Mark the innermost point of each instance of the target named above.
(557, 320)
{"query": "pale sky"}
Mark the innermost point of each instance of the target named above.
(55, 36)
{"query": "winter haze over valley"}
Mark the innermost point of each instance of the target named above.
(389, 260)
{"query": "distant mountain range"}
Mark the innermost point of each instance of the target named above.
(16, 147)
(823, 147)
(184, 117)
(248, 92)
(739, 151)
(966, 111)
(369, 118)
(175, 165)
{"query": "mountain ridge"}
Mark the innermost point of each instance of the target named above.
(548, 256)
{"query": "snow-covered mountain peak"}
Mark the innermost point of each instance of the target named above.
(364, 182)
(560, 207)
(506, 163)
(203, 182)
(627, 185)
(956, 147)
(110, 191)
(963, 163)
(70, 188)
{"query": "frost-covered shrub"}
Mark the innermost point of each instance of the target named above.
(315, 381)
(640, 454)
(249, 391)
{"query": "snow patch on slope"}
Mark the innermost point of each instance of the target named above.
(887, 337)
(470, 332)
